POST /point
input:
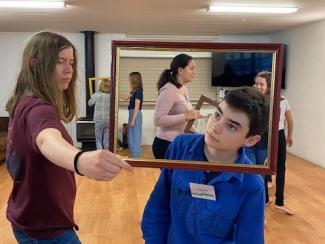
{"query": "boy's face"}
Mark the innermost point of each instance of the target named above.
(227, 130)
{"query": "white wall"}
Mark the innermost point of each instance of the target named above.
(305, 88)
(103, 48)
(103, 68)
(11, 48)
(305, 79)
(12, 44)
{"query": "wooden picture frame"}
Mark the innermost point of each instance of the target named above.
(277, 53)
(92, 85)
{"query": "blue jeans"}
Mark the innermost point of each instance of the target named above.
(135, 135)
(68, 237)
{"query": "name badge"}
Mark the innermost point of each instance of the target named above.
(203, 191)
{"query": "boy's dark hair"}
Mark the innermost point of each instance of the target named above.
(251, 102)
(169, 75)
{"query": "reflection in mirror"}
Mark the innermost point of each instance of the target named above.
(94, 83)
(211, 75)
(100, 92)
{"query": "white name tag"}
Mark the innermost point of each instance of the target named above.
(203, 191)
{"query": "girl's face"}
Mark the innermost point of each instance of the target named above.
(261, 85)
(131, 82)
(64, 68)
(186, 74)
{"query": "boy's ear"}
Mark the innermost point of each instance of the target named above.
(252, 140)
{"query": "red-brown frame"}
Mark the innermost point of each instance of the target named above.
(277, 49)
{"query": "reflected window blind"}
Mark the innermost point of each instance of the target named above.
(151, 68)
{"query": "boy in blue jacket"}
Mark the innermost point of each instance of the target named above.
(193, 207)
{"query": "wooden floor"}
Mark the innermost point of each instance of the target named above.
(109, 212)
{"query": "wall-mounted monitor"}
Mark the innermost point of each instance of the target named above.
(234, 69)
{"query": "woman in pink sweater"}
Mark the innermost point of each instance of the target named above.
(173, 108)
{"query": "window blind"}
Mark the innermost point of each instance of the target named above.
(151, 68)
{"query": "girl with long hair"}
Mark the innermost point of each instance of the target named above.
(40, 155)
(135, 114)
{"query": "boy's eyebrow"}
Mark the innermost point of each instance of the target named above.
(231, 121)
(235, 122)
(219, 110)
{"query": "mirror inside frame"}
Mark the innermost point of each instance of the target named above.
(212, 72)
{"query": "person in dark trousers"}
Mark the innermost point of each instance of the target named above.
(173, 108)
(286, 121)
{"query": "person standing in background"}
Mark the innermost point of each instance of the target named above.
(263, 84)
(135, 114)
(286, 120)
(173, 108)
(40, 155)
(101, 100)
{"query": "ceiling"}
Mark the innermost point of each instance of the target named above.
(158, 17)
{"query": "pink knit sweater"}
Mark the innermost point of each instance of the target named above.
(169, 112)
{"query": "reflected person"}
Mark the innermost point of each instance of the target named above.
(258, 153)
(263, 84)
(135, 114)
(173, 108)
(101, 100)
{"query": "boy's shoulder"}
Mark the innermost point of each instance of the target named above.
(254, 182)
(186, 147)
(187, 138)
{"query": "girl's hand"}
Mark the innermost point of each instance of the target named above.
(101, 165)
(289, 141)
(126, 97)
(192, 114)
(132, 123)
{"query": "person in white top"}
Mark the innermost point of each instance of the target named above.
(286, 120)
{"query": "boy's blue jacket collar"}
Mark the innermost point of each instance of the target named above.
(173, 216)
(197, 154)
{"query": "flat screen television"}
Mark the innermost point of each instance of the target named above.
(234, 69)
